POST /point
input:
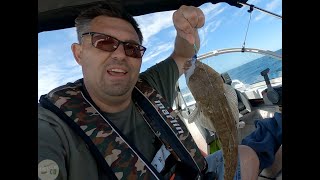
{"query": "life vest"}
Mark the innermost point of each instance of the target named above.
(109, 146)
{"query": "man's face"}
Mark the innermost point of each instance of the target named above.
(109, 73)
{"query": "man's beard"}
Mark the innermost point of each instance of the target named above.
(117, 90)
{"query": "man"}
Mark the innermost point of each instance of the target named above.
(109, 76)
(98, 127)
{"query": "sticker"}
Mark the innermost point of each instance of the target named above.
(159, 159)
(48, 169)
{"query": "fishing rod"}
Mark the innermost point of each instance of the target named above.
(262, 10)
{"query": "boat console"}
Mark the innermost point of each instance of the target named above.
(272, 95)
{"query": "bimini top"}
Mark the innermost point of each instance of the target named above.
(60, 14)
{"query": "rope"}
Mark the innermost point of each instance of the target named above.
(245, 38)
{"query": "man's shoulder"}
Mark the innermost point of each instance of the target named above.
(163, 68)
(50, 125)
(47, 118)
(43, 112)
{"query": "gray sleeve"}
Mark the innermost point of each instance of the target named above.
(163, 77)
(68, 153)
(51, 153)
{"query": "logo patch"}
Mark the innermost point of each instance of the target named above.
(48, 169)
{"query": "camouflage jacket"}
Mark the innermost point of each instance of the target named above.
(110, 150)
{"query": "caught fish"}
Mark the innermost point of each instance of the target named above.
(197, 114)
(210, 94)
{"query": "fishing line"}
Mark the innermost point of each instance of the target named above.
(195, 56)
(245, 37)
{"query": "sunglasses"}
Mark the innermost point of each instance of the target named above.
(108, 43)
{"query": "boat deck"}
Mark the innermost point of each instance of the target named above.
(258, 113)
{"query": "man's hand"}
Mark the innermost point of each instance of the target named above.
(186, 20)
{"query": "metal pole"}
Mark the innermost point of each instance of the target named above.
(265, 11)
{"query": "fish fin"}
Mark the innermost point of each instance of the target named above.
(205, 121)
(232, 99)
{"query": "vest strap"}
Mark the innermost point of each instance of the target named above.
(110, 147)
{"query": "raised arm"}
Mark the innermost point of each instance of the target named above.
(186, 20)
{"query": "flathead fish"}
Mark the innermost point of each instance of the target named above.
(217, 113)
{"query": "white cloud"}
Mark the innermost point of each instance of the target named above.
(45, 55)
(274, 5)
(259, 16)
(209, 7)
(52, 76)
(212, 26)
(53, 71)
(158, 49)
(212, 10)
(207, 30)
(151, 24)
(72, 34)
(172, 34)
(202, 34)
(271, 7)
(48, 78)
(254, 2)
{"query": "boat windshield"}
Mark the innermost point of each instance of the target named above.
(243, 70)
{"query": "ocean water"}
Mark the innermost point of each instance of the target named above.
(249, 73)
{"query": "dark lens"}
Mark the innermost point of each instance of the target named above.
(105, 43)
(133, 50)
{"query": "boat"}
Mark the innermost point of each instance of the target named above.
(256, 101)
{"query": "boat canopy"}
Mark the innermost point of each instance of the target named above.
(60, 14)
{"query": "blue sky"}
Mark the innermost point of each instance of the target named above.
(225, 27)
